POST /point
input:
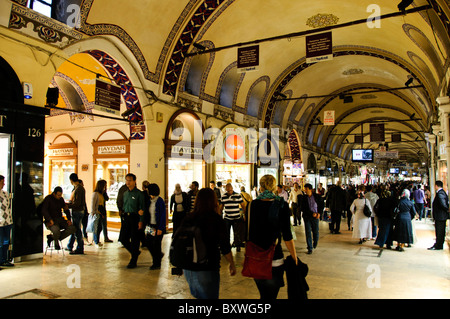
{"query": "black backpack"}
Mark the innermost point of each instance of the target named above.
(188, 250)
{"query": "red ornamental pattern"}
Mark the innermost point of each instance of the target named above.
(128, 92)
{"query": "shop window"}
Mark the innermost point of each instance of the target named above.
(65, 11)
(42, 6)
(113, 172)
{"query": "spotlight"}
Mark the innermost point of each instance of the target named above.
(348, 99)
(280, 95)
(199, 46)
(404, 4)
(52, 96)
(129, 111)
(410, 80)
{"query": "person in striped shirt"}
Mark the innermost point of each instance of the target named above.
(230, 206)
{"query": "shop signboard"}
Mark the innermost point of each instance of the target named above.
(386, 154)
(234, 146)
(69, 151)
(112, 149)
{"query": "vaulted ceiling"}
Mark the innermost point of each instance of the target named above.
(372, 61)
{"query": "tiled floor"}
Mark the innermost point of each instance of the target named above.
(339, 268)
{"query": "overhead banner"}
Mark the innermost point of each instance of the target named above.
(386, 154)
(319, 47)
(248, 59)
(107, 97)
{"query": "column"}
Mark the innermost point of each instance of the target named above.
(444, 110)
(431, 138)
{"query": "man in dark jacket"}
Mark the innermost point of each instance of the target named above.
(440, 215)
(310, 205)
(78, 205)
(52, 208)
(336, 202)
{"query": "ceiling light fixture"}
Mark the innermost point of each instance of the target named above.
(199, 46)
(404, 4)
(410, 80)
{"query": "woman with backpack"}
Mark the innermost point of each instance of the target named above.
(204, 278)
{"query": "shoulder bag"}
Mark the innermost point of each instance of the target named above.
(258, 261)
(366, 210)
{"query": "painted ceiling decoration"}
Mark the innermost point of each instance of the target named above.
(159, 36)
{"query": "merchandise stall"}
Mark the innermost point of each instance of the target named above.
(111, 155)
(183, 152)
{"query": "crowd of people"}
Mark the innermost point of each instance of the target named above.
(382, 213)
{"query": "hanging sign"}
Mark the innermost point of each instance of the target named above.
(319, 47)
(377, 132)
(328, 118)
(248, 59)
(107, 97)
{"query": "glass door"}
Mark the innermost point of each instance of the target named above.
(5, 161)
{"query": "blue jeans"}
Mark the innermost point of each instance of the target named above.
(5, 235)
(311, 226)
(203, 284)
(77, 216)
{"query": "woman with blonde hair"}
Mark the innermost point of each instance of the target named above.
(264, 231)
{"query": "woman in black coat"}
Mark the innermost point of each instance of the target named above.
(384, 209)
(403, 231)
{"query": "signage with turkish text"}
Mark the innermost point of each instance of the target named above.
(248, 59)
(107, 97)
(319, 47)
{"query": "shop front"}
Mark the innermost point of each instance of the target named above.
(111, 161)
(268, 159)
(293, 169)
(22, 130)
(183, 153)
(63, 161)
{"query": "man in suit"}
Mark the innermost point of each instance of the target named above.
(440, 215)
(310, 206)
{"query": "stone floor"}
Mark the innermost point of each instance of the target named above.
(339, 268)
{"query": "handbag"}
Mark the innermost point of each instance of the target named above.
(366, 210)
(395, 212)
(257, 261)
(91, 223)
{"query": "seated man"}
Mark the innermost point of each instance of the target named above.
(52, 208)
